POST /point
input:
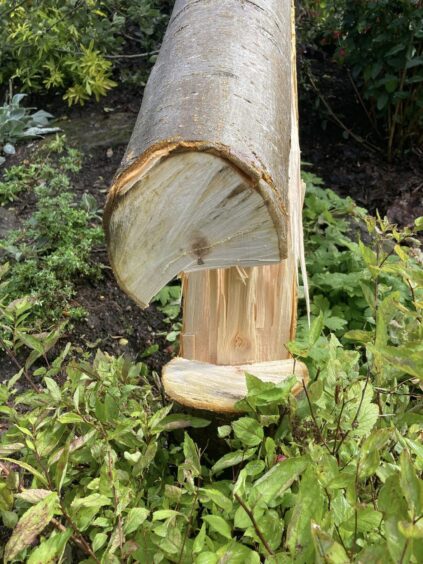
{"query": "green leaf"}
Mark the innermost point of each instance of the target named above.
(370, 450)
(33, 495)
(135, 518)
(95, 500)
(76, 444)
(70, 418)
(207, 558)
(218, 524)
(53, 388)
(279, 478)
(309, 506)
(368, 519)
(237, 553)
(327, 550)
(358, 335)
(31, 524)
(62, 465)
(192, 457)
(411, 485)
(411, 530)
(199, 540)
(218, 498)
(248, 431)
(27, 467)
(163, 514)
(262, 393)
(50, 550)
(316, 329)
(396, 541)
(181, 421)
(232, 459)
(224, 431)
(99, 541)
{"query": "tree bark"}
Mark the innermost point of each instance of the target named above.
(204, 181)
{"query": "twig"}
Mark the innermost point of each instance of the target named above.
(341, 124)
(340, 538)
(135, 56)
(254, 522)
(338, 425)
(354, 421)
(314, 418)
(18, 365)
(363, 105)
(401, 560)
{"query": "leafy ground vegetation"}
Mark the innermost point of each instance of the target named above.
(95, 464)
(97, 467)
(53, 246)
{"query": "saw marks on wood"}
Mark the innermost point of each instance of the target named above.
(201, 385)
(186, 212)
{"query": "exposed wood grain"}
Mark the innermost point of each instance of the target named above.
(220, 92)
(218, 388)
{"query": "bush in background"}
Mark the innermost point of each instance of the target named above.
(381, 41)
(72, 45)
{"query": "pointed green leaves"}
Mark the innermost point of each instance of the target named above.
(31, 524)
(279, 478)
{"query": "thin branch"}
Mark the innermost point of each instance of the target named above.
(363, 105)
(338, 426)
(15, 361)
(354, 421)
(134, 56)
(321, 437)
(341, 124)
(254, 522)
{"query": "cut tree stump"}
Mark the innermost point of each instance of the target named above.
(210, 187)
(201, 385)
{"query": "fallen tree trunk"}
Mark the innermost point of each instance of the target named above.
(239, 320)
(204, 182)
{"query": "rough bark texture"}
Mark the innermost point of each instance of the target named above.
(221, 85)
(236, 316)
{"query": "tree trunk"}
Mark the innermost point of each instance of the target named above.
(204, 181)
(210, 186)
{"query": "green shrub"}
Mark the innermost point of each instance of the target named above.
(65, 45)
(97, 468)
(53, 248)
(383, 43)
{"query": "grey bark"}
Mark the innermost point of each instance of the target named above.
(221, 84)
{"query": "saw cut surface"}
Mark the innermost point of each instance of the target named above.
(201, 385)
(186, 212)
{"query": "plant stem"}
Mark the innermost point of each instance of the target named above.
(15, 361)
(321, 437)
(255, 525)
(341, 124)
